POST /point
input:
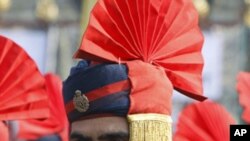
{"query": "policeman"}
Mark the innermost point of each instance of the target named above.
(135, 53)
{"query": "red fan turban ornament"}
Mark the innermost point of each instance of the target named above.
(204, 121)
(149, 36)
(243, 87)
(22, 86)
(57, 123)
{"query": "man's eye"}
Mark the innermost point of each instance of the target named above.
(120, 139)
(78, 139)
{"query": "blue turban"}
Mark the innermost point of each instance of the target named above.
(102, 89)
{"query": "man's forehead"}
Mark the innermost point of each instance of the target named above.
(102, 128)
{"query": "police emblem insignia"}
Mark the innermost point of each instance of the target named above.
(80, 102)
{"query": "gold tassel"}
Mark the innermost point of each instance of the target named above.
(150, 127)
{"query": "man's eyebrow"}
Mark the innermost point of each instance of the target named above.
(123, 136)
(80, 137)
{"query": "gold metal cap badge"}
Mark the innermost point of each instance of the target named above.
(80, 101)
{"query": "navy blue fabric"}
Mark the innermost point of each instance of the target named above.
(86, 78)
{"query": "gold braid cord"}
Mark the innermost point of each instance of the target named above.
(150, 127)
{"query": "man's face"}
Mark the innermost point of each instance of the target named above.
(100, 129)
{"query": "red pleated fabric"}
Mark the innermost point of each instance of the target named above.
(204, 121)
(161, 33)
(243, 88)
(57, 123)
(22, 86)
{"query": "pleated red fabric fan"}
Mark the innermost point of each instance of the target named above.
(22, 87)
(164, 33)
(57, 123)
(243, 88)
(4, 136)
(205, 121)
